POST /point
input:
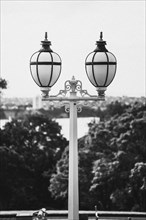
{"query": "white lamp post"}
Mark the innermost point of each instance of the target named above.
(45, 66)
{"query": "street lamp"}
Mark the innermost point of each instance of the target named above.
(45, 66)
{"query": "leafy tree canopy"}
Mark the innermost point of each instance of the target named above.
(112, 160)
(3, 83)
(30, 148)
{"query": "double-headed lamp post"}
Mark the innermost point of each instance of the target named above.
(45, 68)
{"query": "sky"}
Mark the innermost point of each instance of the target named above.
(73, 28)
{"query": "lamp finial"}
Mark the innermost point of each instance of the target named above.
(101, 44)
(73, 78)
(46, 36)
(101, 36)
(46, 44)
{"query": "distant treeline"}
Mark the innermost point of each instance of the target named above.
(109, 110)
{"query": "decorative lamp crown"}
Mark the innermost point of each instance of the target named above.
(45, 66)
(101, 66)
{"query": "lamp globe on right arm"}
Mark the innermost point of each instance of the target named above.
(101, 66)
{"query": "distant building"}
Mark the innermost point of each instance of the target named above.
(38, 103)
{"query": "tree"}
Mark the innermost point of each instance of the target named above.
(59, 180)
(107, 156)
(137, 188)
(3, 83)
(30, 148)
(127, 146)
(112, 109)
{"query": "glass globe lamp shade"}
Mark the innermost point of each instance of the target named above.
(45, 67)
(101, 67)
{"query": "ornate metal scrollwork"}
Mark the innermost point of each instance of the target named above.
(67, 108)
(73, 87)
(79, 108)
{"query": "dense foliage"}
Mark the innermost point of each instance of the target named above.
(112, 163)
(3, 83)
(29, 150)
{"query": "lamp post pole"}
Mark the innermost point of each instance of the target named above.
(73, 105)
(45, 67)
(73, 186)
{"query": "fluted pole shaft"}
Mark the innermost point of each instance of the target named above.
(73, 187)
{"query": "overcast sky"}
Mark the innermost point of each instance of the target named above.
(73, 28)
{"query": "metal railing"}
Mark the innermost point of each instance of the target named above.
(44, 214)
